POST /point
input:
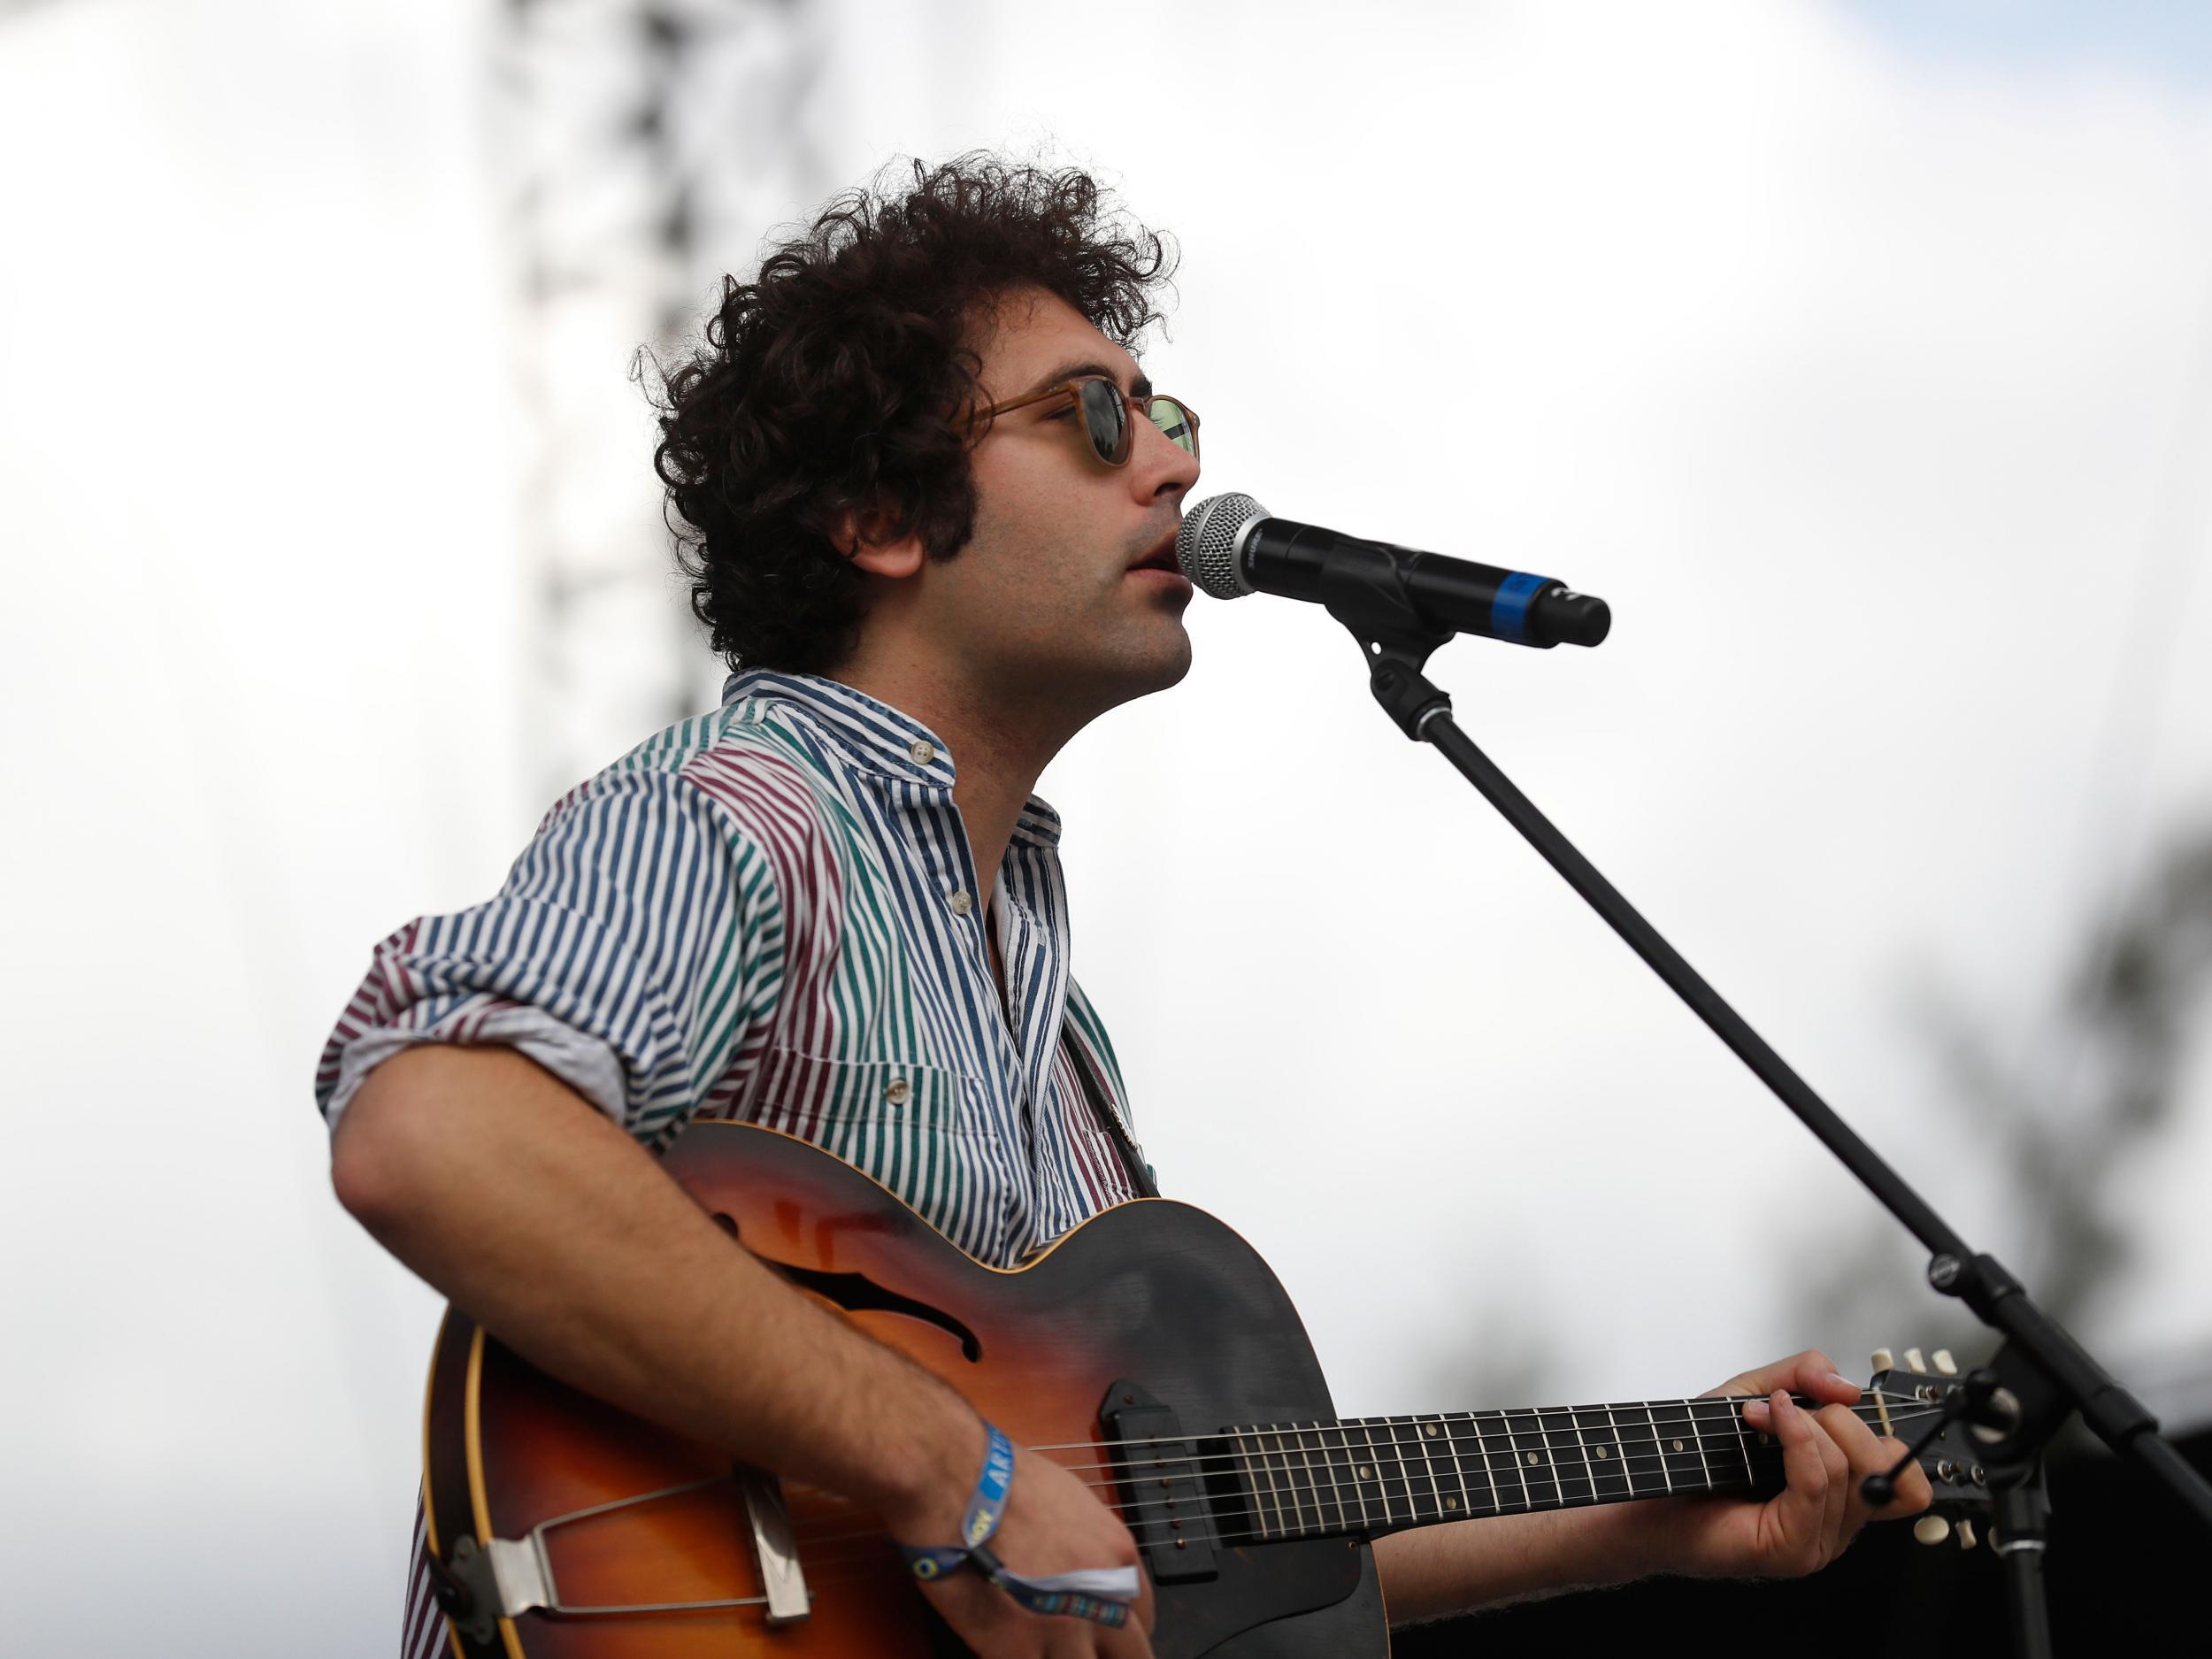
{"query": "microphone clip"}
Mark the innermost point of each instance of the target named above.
(1368, 598)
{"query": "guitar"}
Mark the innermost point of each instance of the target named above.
(1151, 1350)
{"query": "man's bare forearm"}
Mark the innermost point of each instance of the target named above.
(512, 1194)
(1436, 1571)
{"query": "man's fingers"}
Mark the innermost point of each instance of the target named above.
(1914, 1493)
(1809, 1512)
(1810, 1373)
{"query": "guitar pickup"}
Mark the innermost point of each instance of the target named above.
(1163, 1486)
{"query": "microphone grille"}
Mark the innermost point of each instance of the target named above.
(1206, 546)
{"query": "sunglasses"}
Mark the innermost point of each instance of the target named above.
(1107, 420)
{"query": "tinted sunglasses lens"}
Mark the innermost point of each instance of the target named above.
(1106, 419)
(1177, 421)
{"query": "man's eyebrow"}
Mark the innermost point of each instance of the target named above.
(1142, 386)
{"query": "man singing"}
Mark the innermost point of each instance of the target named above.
(927, 502)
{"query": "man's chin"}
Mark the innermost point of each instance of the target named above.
(1160, 674)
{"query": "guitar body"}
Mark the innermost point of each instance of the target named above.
(1152, 1292)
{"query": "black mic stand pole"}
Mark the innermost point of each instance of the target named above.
(2040, 1374)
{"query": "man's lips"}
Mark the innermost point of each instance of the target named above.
(1162, 558)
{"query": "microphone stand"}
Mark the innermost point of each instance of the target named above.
(2040, 1374)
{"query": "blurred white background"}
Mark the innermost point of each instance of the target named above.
(1860, 355)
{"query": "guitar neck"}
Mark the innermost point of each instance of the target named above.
(1363, 1477)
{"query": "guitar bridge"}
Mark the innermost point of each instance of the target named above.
(1161, 1476)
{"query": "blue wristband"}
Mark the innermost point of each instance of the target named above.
(1100, 1595)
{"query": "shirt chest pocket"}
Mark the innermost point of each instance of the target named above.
(918, 1129)
(807, 1094)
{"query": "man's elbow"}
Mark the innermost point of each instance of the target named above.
(376, 1152)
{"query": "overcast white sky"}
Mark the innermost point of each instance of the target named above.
(1860, 356)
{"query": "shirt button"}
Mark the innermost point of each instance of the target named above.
(923, 753)
(896, 1091)
(962, 903)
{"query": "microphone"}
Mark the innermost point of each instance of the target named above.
(1229, 547)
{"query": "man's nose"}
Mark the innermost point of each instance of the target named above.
(1161, 464)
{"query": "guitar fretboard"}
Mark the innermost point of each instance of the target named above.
(1368, 1475)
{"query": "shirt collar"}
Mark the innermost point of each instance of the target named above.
(875, 737)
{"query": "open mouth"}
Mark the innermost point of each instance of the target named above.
(1160, 558)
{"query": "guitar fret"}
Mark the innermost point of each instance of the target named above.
(1620, 1449)
(1515, 1452)
(1322, 1493)
(1296, 1520)
(1714, 1422)
(1653, 1421)
(1305, 1490)
(1267, 1497)
(1345, 1445)
(1744, 1433)
(1551, 1459)
(1243, 1454)
(1374, 1471)
(1564, 1442)
(1313, 1478)
(1726, 1416)
(1389, 1426)
(1540, 1477)
(1405, 1475)
(1681, 1454)
(1483, 1445)
(1582, 1449)
(1697, 1434)
(1458, 1503)
(1271, 1466)
(1278, 1466)
(1431, 1435)
(1402, 1428)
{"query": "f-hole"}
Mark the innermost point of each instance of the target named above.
(856, 1291)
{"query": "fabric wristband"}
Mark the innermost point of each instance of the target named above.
(1099, 1593)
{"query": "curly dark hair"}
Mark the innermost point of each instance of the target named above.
(837, 378)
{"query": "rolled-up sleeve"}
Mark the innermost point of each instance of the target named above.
(635, 952)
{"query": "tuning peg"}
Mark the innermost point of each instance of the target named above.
(1884, 1359)
(1931, 1529)
(1966, 1535)
(1913, 1362)
(1944, 1363)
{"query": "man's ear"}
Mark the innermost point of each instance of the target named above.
(864, 535)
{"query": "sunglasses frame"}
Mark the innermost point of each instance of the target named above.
(1073, 390)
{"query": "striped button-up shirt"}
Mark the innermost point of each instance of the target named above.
(768, 914)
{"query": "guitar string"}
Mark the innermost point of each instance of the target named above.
(1402, 1507)
(1716, 1404)
(1299, 1491)
(1295, 1527)
(1403, 1488)
(1727, 1441)
(1719, 1430)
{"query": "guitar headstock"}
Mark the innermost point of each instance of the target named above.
(1901, 1400)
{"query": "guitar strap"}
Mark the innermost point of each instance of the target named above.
(1133, 1166)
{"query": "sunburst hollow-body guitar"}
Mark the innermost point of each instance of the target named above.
(1150, 1350)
